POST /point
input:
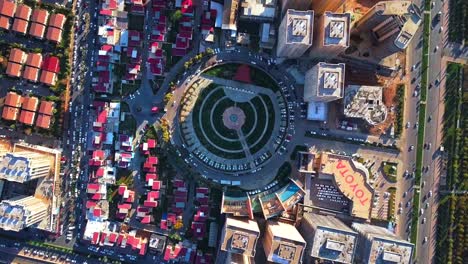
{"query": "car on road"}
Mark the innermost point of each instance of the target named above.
(411, 147)
(425, 239)
(423, 220)
(408, 124)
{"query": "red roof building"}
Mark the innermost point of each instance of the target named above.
(51, 64)
(23, 12)
(40, 16)
(7, 8)
(27, 117)
(37, 30)
(46, 107)
(43, 121)
(4, 22)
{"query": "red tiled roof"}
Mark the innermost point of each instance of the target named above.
(20, 26)
(122, 189)
(57, 21)
(37, 30)
(27, 117)
(13, 69)
(90, 204)
(43, 121)
(30, 103)
(13, 99)
(46, 107)
(54, 34)
(4, 22)
(23, 12)
(48, 78)
(34, 60)
(40, 16)
(7, 8)
(17, 55)
(156, 185)
(10, 113)
(95, 238)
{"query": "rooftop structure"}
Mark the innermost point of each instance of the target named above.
(306, 162)
(13, 99)
(23, 12)
(295, 33)
(240, 236)
(230, 15)
(21, 212)
(7, 8)
(236, 206)
(328, 238)
(391, 22)
(37, 30)
(332, 35)
(365, 102)
(351, 178)
(324, 82)
(379, 245)
(283, 243)
(22, 166)
(258, 10)
(17, 56)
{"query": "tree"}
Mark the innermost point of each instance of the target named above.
(168, 97)
(176, 16)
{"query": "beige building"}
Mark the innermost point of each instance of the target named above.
(331, 35)
(321, 6)
(24, 166)
(295, 33)
(365, 102)
(283, 243)
(295, 4)
(378, 245)
(21, 212)
(328, 239)
(239, 236)
(391, 24)
(264, 10)
(324, 82)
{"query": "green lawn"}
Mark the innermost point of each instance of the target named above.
(390, 170)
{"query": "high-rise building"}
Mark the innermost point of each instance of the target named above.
(21, 166)
(283, 243)
(324, 82)
(239, 236)
(328, 239)
(295, 33)
(390, 23)
(295, 4)
(321, 6)
(331, 35)
(230, 15)
(378, 245)
(365, 102)
(21, 212)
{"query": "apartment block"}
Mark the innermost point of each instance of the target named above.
(331, 35)
(239, 236)
(283, 243)
(295, 33)
(23, 166)
(21, 212)
(324, 82)
(328, 239)
(379, 245)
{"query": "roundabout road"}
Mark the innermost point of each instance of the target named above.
(246, 180)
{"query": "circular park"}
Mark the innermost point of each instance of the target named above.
(232, 117)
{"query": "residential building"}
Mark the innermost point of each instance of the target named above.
(240, 236)
(365, 102)
(321, 6)
(260, 11)
(22, 166)
(38, 23)
(283, 243)
(22, 15)
(21, 212)
(295, 33)
(15, 62)
(379, 245)
(31, 70)
(10, 113)
(7, 10)
(13, 99)
(331, 35)
(390, 24)
(328, 239)
(236, 206)
(324, 82)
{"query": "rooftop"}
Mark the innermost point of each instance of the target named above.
(351, 178)
(7, 8)
(40, 16)
(265, 9)
(285, 245)
(330, 79)
(333, 240)
(337, 29)
(23, 12)
(240, 236)
(17, 55)
(385, 247)
(365, 102)
(237, 206)
(299, 26)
